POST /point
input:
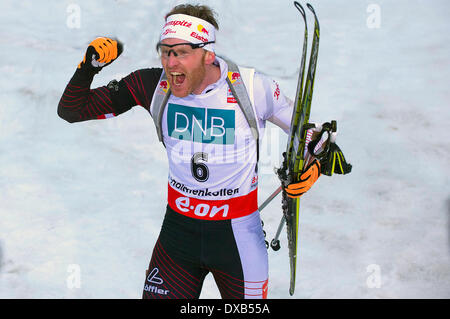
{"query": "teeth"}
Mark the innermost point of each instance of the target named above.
(174, 75)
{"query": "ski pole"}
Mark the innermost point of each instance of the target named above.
(275, 243)
(269, 199)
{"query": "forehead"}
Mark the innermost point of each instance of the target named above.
(172, 41)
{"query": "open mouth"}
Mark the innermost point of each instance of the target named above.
(177, 78)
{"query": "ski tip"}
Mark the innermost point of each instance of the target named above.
(300, 8)
(310, 7)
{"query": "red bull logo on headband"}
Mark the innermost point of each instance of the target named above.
(202, 29)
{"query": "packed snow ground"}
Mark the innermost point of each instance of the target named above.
(86, 201)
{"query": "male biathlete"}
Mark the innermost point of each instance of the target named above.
(210, 116)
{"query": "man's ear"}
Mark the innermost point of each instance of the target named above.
(210, 57)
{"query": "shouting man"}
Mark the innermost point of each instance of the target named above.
(210, 115)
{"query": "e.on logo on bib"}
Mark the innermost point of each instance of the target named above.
(201, 210)
(201, 125)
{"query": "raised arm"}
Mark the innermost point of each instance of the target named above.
(80, 103)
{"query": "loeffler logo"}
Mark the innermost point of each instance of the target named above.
(202, 29)
(153, 278)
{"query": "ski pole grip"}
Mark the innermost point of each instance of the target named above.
(333, 126)
(327, 128)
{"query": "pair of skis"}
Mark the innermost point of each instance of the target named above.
(294, 158)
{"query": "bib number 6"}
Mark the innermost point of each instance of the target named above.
(198, 168)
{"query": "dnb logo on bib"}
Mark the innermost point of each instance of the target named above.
(201, 125)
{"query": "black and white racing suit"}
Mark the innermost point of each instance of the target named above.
(212, 222)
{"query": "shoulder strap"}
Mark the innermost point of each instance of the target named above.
(161, 97)
(240, 93)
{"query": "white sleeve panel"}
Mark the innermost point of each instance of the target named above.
(270, 103)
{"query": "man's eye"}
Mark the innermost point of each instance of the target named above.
(182, 52)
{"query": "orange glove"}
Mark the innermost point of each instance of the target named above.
(307, 179)
(100, 52)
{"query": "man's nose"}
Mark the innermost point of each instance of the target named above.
(172, 60)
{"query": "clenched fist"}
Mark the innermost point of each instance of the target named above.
(100, 53)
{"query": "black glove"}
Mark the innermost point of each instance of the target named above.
(335, 162)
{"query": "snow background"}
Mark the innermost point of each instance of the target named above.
(93, 194)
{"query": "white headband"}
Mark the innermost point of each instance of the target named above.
(189, 28)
